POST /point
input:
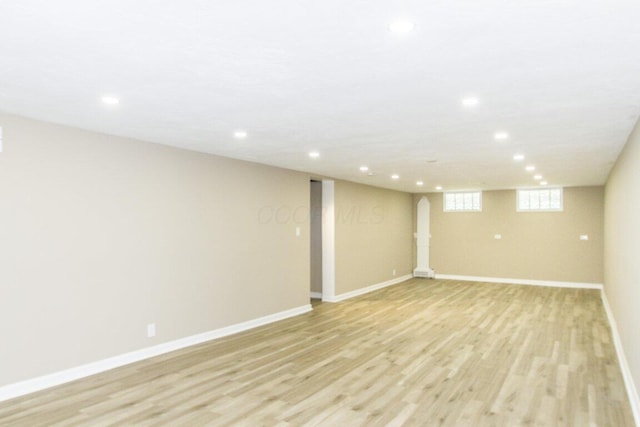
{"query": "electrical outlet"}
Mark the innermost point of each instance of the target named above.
(584, 237)
(151, 330)
(394, 272)
(497, 236)
(297, 231)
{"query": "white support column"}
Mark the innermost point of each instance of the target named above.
(423, 236)
(328, 241)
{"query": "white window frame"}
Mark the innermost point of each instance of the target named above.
(444, 201)
(549, 189)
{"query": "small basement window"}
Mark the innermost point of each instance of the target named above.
(539, 200)
(463, 201)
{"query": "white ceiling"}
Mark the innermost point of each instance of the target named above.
(561, 77)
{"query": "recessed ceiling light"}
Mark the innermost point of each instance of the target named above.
(240, 134)
(110, 100)
(543, 182)
(518, 157)
(501, 135)
(530, 168)
(314, 154)
(438, 188)
(363, 168)
(401, 26)
(419, 183)
(537, 177)
(395, 176)
(470, 101)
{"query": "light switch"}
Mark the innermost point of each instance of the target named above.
(584, 237)
(298, 231)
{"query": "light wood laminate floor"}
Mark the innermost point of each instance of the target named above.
(421, 353)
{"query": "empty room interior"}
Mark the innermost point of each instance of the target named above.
(336, 213)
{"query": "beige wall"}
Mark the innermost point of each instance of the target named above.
(622, 249)
(100, 236)
(534, 246)
(373, 235)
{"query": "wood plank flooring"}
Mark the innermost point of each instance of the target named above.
(421, 353)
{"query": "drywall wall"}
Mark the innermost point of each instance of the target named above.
(100, 236)
(373, 235)
(534, 245)
(316, 236)
(622, 249)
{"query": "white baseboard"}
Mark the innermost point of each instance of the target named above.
(40, 383)
(367, 289)
(632, 391)
(317, 295)
(424, 272)
(521, 281)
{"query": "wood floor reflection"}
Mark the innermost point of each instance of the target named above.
(424, 352)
